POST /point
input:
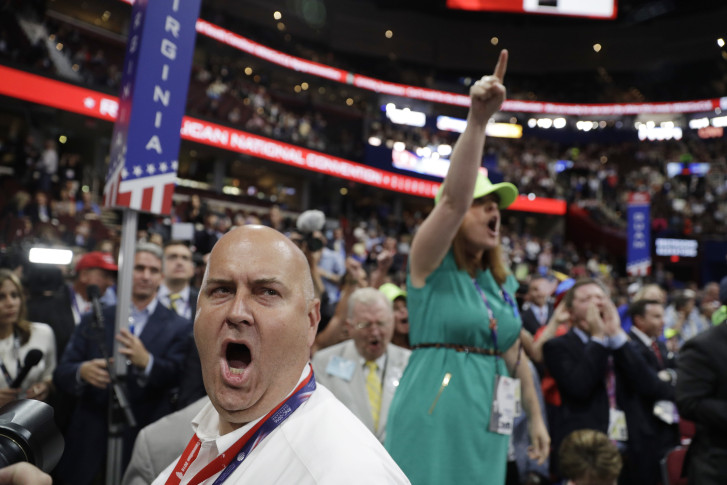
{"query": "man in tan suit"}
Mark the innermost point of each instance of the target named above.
(364, 372)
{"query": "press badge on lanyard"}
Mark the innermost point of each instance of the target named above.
(506, 395)
(617, 425)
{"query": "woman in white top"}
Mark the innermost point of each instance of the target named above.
(18, 337)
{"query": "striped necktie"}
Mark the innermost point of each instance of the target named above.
(175, 301)
(373, 387)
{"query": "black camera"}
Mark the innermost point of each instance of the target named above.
(29, 433)
(309, 222)
(313, 243)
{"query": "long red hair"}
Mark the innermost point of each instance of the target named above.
(492, 259)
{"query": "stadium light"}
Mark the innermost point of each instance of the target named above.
(50, 256)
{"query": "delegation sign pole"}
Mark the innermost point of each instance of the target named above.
(143, 164)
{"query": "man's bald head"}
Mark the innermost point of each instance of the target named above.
(256, 322)
(264, 235)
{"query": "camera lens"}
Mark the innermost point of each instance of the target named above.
(314, 244)
(29, 433)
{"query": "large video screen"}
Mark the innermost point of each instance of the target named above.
(605, 9)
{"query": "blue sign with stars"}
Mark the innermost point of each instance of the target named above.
(155, 79)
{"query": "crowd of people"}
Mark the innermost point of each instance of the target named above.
(427, 348)
(454, 330)
(598, 175)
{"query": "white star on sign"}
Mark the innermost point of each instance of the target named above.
(138, 171)
(124, 173)
(150, 168)
(163, 167)
(174, 165)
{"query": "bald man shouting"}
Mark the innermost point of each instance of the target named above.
(268, 422)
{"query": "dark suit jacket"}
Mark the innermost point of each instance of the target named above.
(55, 310)
(530, 320)
(702, 397)
(661, 436)
(165, 336)
(580, 371)
(205, 240)
(191, 387)
(650, 357)
(193, 295)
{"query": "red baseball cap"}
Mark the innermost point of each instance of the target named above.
(96, 259)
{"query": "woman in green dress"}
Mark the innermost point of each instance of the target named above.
(446, 424)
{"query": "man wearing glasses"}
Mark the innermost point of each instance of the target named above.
(364, 371)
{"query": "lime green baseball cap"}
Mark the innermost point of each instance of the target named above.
(505, 190)
(719, 315)
(392, 291)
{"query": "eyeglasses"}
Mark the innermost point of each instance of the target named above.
(367, 325)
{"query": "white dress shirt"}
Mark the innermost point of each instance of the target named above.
(12, 354)
(321, 443)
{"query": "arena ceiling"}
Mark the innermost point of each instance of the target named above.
(659, 50)
(652, 42)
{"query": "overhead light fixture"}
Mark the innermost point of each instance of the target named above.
(50, 256)
(405, 116)
(584, 125)
(230, 190)
(698, 123)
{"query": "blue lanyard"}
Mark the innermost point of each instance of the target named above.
(493, 321)
(290, 405)
(509, 300)
(490, 314)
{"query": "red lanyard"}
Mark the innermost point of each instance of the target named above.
(223, 460)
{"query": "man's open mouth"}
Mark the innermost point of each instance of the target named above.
(238, 357)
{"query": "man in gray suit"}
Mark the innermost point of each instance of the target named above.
(160, 443)
(364, 372)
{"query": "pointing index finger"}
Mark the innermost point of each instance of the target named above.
(501, 66)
